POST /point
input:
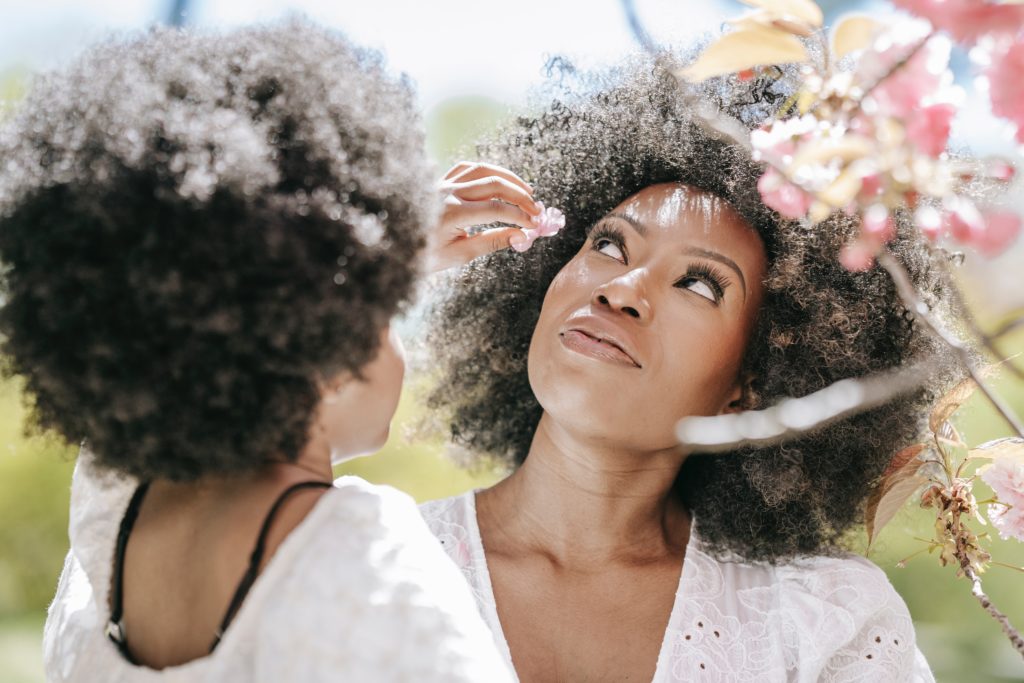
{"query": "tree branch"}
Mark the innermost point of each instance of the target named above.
(915, 305)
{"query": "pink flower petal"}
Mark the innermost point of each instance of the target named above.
(1005, 77)
(1001, 230)
(967, 20)
(877, 226)
(857, 257)
(783, 196)
(928, 129)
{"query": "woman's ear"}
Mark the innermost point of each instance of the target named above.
(743, 396)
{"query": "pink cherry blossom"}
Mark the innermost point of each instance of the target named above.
(1006, 478)
(966, 224)
(783, 196)
(929, 221)
(1005, 77)
(549, 221)
(928, 129)
(921, 78)
(1001, 229)
(877, 227)
(857, 256)
(967, 20)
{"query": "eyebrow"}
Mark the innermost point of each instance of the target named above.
(641, 230)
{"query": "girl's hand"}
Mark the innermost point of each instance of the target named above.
(477, 194)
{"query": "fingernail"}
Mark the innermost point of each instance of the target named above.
(520, 242)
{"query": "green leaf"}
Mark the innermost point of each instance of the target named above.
(753, 45)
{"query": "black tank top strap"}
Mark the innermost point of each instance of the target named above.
(256, 559)
(115, 626)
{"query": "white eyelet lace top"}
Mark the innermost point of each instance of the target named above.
(818, 619)
(359, 591)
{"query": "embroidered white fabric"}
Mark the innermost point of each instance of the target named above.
(818, 619)
(359, 591)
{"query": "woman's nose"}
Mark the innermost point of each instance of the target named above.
(625, 294)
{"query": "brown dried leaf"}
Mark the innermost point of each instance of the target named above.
(852, 34)
(998, 448)
(955, 397)
(900, 481)
(753, 45)
(900, 460)
(803, 10)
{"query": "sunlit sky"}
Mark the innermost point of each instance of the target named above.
(448, 47)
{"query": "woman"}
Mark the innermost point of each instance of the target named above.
(204, 238)
(611, 552)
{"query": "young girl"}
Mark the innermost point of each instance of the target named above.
(204, 238)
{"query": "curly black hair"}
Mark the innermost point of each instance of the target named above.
(194, 229)
(588, 151)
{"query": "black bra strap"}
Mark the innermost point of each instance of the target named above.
(115, 627)
(257, 557)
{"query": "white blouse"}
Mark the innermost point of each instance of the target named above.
(817, 619)
(358, 591)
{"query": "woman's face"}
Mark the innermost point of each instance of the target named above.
(356, 416)
(649, 321)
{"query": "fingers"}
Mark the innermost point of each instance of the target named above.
(465, 250)
(466, 171)
(493, 187)
(474, 213)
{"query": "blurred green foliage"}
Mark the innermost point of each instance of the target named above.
(961, 642)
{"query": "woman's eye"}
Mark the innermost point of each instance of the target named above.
(609, 248)
(699, 287)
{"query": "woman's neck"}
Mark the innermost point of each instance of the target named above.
(583, 503)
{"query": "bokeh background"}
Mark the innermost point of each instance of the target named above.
(477, 63)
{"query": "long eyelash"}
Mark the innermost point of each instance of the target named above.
(707, 273)
(612, 234)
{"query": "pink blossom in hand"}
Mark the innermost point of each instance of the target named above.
(1005, 77)
(783, 196)
(967, 20)
(549, 221)
(1006, 478)
(928, 129)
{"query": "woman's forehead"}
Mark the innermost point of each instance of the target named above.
(674, 207)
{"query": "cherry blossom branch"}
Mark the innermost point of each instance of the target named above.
(976, 590)
(915, 305)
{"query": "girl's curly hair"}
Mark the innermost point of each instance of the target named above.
(586, 153)
(194, 227)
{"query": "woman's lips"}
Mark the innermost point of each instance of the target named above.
(585, 344)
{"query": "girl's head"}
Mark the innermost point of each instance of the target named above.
(714, 302)
(203, 239)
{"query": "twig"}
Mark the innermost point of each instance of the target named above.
(794, 416)
(986, 603)
(915, 305)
